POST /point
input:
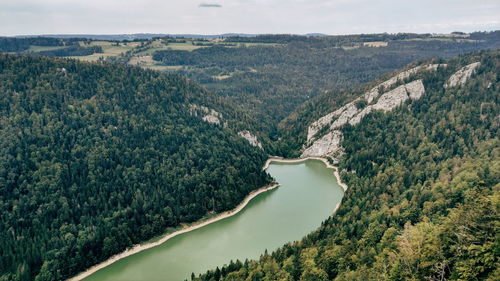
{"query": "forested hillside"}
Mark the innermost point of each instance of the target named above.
(95, 158)
(278, 73)
(423, 198)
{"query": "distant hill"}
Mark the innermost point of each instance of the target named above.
(138, 36)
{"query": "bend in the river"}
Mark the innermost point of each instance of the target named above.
(309, 193)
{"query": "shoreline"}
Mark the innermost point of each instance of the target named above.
(141, 247)
(164, 238)
(298, 160)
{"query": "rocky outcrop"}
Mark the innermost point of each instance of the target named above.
(356, 119)
(415, 89)
(329, 144)
(462, 75)
(398, 96)
(407, 73)
(349, 112)
(250, 138)
(322, 122)
(206, 114)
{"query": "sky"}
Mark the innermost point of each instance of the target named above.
(31, 17)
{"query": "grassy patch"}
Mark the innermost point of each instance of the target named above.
(376, 44)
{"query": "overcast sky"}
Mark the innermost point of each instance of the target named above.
(246, 16)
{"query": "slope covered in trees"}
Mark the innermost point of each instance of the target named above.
(423, 199)
(95, 158)
(273, 80)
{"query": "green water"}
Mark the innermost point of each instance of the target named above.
(308, 195)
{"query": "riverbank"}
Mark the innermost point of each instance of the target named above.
(298, 160)
(141, 247)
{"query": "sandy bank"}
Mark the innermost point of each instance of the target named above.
(298, 160)
(141, 247)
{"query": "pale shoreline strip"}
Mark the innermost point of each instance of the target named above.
(141, 247)
(298, 160)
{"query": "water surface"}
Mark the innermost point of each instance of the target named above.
(308, 195)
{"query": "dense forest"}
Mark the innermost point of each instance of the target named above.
(16, 45)
(423, 198)
(95, 158)
(72, 51)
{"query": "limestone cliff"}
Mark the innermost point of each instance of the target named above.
(252, 139)
(462, 75)
(349, 111)
(206, 114)
(329, 144)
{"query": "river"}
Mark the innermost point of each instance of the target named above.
(308, 195)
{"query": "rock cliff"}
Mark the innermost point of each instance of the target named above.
(350, 112)
(462, 75)
(329, 144)
(252, 139)
(207, 114)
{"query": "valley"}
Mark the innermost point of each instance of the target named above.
(307, 194)
(107, 145)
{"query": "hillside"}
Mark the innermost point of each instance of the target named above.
(273, 75)
(270, 77)
(97, 157)
(423, 170)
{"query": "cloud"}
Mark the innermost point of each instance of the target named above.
(246, 16)
(209, 5)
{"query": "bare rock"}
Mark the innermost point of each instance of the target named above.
(252, 139)
(327, 145)
(462, 75)
(349, 112)
(207, 114)
(415, 89)
(407, 73)
(323, 121)
(371, 95)
(356, 119)
(391, 99)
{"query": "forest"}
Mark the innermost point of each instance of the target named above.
(97, 157)
(92, 163)
(276, 82)
(423, 198)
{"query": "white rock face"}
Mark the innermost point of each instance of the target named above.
(339, 117)
(371, 95)
(349, 113)
(327, 145)
(415, 89)
(356, 119)
(323, 121)
(398, 96)
(250, 138)
(462, 75)
(207, 114)
(407, 73)
(211, 118)
(391, 99)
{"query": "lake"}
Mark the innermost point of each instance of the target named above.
(307, 196)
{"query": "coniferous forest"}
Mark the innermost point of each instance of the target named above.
(97, 157)
(423, 198)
